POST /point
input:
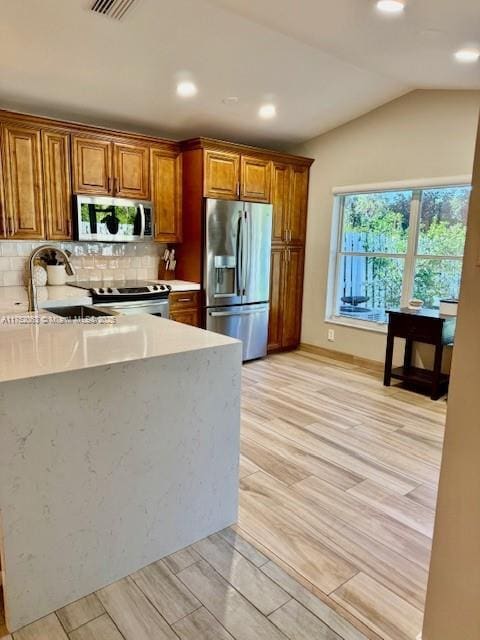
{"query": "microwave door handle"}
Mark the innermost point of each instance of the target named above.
(142, 220)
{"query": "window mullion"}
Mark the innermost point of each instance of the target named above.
(413, 230)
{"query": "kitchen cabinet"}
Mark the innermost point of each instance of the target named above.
(235, 176)
(297, 215)
(24, 196)
(292, 296)
(289, 198)
(57, 183)
(275, 325)
(255, 179)
(166, 172)
(286, 293)
(92, 165)
(104, 167)
(131, 171)
(222, 175)
(185, 307)
(187, 316)
(280, 199)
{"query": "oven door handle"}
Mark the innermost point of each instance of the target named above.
(142, 219)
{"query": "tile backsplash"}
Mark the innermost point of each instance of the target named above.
(92, 261)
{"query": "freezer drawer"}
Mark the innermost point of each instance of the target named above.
(248, 323)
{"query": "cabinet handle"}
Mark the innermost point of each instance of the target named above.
(69, 228)
(289, 235)
(115, 186)
(238, 189)
(11, 226)
(109, 184)
(185, 300)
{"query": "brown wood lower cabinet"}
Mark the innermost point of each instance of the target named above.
(185, 307)
(286, 295)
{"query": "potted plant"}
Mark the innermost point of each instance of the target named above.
(55, 268)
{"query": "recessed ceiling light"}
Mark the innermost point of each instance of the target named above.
(231, 100)
(391, 6)
(468, 55)
(267, 111)
(186, 89)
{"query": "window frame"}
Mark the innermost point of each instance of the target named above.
(410, 257)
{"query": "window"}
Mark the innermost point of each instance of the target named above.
(395, 245)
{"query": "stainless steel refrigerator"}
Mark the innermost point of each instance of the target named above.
(237, 272)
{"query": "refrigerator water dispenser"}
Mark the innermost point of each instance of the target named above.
(225, 276)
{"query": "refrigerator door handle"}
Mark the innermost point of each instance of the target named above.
(239, 256)
(223, 314)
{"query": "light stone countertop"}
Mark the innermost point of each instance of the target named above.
(179, 285)
(14, 299)
(40, 344)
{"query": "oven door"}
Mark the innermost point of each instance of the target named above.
(159, 308)
(113, 219)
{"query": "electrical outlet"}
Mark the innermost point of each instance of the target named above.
(331, 335)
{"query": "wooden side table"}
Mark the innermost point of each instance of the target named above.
(426, 326)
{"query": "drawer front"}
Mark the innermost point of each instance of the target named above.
(185, 300)
(417, 328)
(187, 316)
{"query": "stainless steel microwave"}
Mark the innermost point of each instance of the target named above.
(104, 219)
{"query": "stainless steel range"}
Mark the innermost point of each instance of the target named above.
(130, 296)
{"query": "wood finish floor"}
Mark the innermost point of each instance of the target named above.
(338, 486)
(338, 482)
(221, 588)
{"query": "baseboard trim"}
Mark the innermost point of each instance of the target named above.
(364, 363)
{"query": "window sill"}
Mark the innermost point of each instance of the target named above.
(375, 327)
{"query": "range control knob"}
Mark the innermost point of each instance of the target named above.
(109, 290)
(101, 291)
(155, 288)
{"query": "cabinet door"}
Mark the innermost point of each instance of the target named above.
(166, 171)
(187, 316)
(23, 182)
(275, 324)
(56, 178)
(297, 218)
(222, 175)
(292, 296)
(256, 178)
(132, 174)
(280, 201)
(92, 166)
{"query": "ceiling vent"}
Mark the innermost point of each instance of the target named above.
(115, 9)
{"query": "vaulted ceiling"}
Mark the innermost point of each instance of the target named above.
(322, 62)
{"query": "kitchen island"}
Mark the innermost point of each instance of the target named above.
(119, 445)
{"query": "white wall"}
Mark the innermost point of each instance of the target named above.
(424, 134)
(452, 608)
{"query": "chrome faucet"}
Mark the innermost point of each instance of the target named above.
(30, 284)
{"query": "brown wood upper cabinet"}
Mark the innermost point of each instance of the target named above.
(57, 183)
(166, 171)
(24, 198)
(222, 175)
(132, 174)
(234, 176)
(256, 175)
(104, 167)
(289, 197)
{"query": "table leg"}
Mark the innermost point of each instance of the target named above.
(407, 359)
(387, 377)
(437, 372)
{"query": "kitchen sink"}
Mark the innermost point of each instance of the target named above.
(78, 312)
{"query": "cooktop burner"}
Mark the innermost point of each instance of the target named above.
(128, 290)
